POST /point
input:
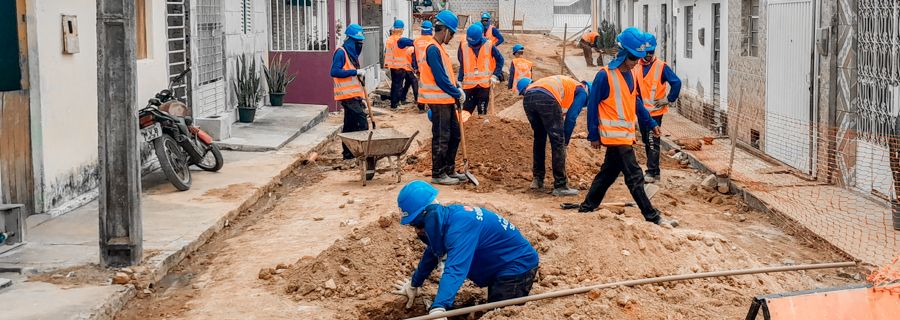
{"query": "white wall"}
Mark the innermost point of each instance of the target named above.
(68, 101)
(254, 43)
(696, 72)
(396, 9)
(536, 14)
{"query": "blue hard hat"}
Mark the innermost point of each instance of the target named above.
(355, 31)
(650, 39)
(429, 114)
(632, 40)
(449, 19)
(398, 24)
(522, 85)
(475, 35)
(517, 48)
(426, 25)
(485, 15)
(413, 198)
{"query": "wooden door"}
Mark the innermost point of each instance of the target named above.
(16, 172)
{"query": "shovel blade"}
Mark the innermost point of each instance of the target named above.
(472, 178)
(650, 190)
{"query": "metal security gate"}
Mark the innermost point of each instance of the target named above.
(789, 111)
(207, 53)
(574, 13)
(878, 102)
(717, 54)
(178, 46)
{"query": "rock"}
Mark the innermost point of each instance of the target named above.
(594, 294)
(788, 262)
(148, 291)
(723, 188)
(265, 273)
(121, 278)
(127, 270)
(365, 241)
(709, 183)
(385, 222)
(281, 266)
(623, 301)
(549, 234)
(279, 271)
(344, 271)
(343, 205)
(330, 284)
(626, 253)
(742, 219)
(351, 201)
(345, 193)
(695, 236)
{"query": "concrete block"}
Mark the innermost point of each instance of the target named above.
(218, 126)
(4, 282)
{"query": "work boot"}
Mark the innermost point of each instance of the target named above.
(537, 184)
(445, 180)
(458, 176)
(564, 192)
(649, 178)
(667, 223)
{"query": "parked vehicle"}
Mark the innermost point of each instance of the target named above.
(166, 124)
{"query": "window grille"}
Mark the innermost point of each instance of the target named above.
(689, 32)
(299, 25)
(209, 65)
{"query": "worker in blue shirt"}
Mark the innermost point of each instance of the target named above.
(475, 80)
(546, 100)
(614, 105)
(654, 77)
(490, 32)
(479, 245)
(348, 89)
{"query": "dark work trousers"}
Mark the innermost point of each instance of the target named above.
(546, 118)
(477, 97)
(410, 82)
(588, 53)
(398, 76)
(894, 149)
(651, 146)
(511, 287)
(444, 139)
(355, 119)
(620, 159)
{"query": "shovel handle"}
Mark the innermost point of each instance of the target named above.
(462, 133)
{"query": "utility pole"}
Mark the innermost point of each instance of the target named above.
(121, 234)
(595, 15)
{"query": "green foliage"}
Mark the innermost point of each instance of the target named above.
(247, 83)
(277, 76)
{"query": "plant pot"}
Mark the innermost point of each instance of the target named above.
(276, 99)
(246, 115)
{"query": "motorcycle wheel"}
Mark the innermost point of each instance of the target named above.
(212, 159)
(173, 161)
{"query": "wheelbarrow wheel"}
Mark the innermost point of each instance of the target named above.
(370, 168)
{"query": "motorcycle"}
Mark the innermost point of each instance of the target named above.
(166, 124)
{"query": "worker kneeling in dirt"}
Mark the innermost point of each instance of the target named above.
(614, 108)
(479, 244)
(546, 101)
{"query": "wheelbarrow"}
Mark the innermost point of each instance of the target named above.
(377, 144)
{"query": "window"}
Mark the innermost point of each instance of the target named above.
(11, 77)
(141, 28)
(299, 25)
(750, 28)
(663, 29)
(246, 15)
(208, 64)
(689, 32)
(646, 18)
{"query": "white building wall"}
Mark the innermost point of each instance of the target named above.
(696, 72)
(537, 15)
(397, 9)
(474, 8)
(68, 89)
(254, 43)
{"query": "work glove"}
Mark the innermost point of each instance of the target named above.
(361, 73)
(405, 288)
(462, 96)
(436, 311)
(495, 79)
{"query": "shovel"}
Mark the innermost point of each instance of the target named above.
(650, 189)
(462, 135)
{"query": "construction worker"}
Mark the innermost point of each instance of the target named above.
(546, 100)
(417, 57)
(519, 68)
(614, 108)
(348, 89)
(490, 32)
(480, 66)
(590, 42)
(480, 246)
(441, 95)
(655, 79)
(398, 61)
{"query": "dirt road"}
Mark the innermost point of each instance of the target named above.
(327, 248)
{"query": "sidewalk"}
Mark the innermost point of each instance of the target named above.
(857, 225)
(175, 224)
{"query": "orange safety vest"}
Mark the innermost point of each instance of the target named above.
(350, 87)
(394, 57)
(421, 43)
(429, 92)
(590, 37)
(477, 72)
(561, 87)
(523, 70)
(489, 34)
(617, 113)
(652, 87)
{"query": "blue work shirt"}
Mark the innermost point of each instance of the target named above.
(480, 245)
(337, 62)
(668, 76)
(498, 58)
(578, 103)
(600, 91)
(436, 63)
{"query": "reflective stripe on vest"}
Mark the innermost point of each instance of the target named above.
(652, 88)
(421, 43)
(350, 87)
(478, 69)
(523, 70)
(429, 92)
(489, 34)
(394, 57)
(618, 128)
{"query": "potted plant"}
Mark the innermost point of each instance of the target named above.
(247, 88)
(278, 78)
